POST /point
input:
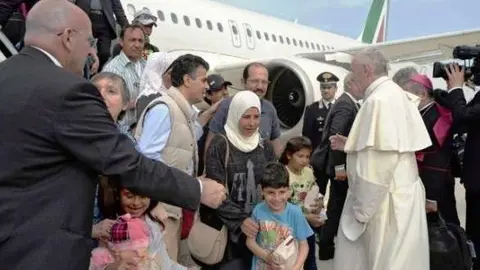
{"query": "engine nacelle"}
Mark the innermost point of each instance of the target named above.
(293, 86)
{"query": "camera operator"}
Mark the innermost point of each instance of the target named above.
(468, 115)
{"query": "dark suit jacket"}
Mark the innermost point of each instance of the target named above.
(468, 115)
(435, 161)
(109, 7)
(314, 122)
(339, 121)
(57, 137)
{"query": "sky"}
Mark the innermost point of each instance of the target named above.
(407, 18)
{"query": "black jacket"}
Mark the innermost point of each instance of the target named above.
(109, 8)
(339, 121)
(468, 115)
(57, 137)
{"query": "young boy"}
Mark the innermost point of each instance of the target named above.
(277, 219)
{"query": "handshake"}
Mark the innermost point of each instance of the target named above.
(213, 193)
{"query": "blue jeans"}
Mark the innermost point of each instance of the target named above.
(311, 261)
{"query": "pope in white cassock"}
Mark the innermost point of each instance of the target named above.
(383, 224)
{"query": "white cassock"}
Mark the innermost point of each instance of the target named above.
(383, 224)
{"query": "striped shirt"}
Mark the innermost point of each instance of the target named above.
(131, 72)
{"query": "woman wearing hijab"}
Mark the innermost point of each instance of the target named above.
(248, 154)
(155, 79)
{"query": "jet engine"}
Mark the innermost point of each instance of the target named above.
(293, 86)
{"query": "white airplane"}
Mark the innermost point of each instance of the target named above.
(229, 38)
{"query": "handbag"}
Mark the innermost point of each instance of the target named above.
(207, 244)
(286, 253)
(445, 252)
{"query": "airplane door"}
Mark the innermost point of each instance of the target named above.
(235, 32)
(249, 36)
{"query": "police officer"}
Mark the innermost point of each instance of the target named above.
(315, 113)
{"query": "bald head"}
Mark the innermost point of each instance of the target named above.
(52, 17)
(374, 58)
(61, 29)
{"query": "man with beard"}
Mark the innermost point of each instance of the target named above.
(255, 79)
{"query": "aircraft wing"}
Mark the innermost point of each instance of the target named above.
(422, 50)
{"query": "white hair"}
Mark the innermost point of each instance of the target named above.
(375, 58)
(347, 80)
(403, 75)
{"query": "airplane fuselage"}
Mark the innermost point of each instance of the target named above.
(212, 27)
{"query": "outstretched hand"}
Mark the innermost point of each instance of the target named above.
(213, 193)
(337, 142)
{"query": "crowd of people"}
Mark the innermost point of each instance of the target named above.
(109, 163)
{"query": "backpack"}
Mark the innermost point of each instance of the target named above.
(448, 245)
(466, 247)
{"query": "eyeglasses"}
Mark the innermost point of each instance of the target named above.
(258, 82)
(91, 40)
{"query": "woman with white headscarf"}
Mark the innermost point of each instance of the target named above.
(155, 79)
(248, 155)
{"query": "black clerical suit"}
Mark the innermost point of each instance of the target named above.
(469, 115)
(435, 164)
(104, 24)
(313, 124)
(339, 121)
(57, 137)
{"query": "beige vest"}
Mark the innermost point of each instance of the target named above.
(181, 146)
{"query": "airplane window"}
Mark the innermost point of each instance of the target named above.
(318, 46)
(274, 38)
(323, 47)
(301, 43)
(288, 40)
(266, 36)
(312, 45)
(198, 22)
(259, 35)
(294, 42)
(161, 16)
(174, 18)
(281, 39)
(186, 20)
(220, 27)
(306, 45)
(249, 33)
(209, 25)
(234, 29)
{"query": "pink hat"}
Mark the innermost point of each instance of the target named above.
(422, 80)
(129, 234)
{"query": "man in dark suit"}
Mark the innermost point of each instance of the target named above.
(468, 115)
(104, 15)
(333, 163)
(315, 115)
(58, 137)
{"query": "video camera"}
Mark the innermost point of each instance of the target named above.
(463, 52)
